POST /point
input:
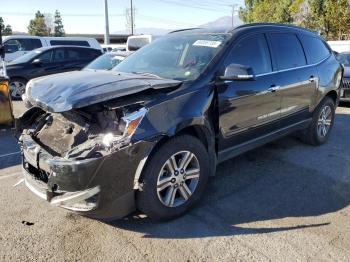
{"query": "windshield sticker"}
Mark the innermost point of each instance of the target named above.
(207, 43)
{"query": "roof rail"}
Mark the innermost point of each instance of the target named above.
(273, 24)
(185, 29)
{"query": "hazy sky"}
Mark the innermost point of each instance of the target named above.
(86, 16)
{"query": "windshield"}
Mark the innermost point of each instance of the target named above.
(175, 57)
(344, 59)
(26, 58)
(105, 62)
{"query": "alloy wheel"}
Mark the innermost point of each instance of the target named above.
(178, 179)
(17, 89)
(324, 121)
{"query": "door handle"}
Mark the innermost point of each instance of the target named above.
(273, 88)
(312, 79)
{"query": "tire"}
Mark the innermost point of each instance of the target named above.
(17, 88)
(156, 202)
(314, 135)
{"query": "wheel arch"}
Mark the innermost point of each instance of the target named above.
(334, 95)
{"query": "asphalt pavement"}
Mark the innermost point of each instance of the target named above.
(286, 201)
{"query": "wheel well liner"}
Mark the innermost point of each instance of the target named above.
(333, 94)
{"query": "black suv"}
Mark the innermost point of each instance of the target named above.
(149, 133)
(45, 61)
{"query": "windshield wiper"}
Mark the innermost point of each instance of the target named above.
(147, 74)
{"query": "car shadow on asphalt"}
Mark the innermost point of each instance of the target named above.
(256, 187)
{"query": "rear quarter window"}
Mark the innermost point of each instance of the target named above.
(315, 49)
(287, 50)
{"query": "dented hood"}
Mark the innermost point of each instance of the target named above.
(66, 91)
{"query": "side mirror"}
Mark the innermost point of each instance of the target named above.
(37, 62)
(237, 72)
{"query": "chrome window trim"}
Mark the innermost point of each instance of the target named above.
(294, 68)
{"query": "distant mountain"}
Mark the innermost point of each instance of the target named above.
(225, 21)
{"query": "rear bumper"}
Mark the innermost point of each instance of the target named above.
(101, 188)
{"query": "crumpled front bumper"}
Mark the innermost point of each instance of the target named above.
(100, 187)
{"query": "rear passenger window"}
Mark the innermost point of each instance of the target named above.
(252, 51)
(314, 48)
(287, 50)
(69, 42)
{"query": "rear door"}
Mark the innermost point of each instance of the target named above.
(248, 109)
(78, 58)
(297, 81)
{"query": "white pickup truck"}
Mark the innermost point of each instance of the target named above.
(18, 45)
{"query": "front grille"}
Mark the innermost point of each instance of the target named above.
(345, 83)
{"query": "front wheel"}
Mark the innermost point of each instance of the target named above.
(322, 123)
(174, 178)
(17, 88)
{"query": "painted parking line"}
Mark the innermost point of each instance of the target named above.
(11, 175)
(10, 154)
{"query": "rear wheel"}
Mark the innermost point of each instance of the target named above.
(322, 123)
(17, 88)
(174, 178)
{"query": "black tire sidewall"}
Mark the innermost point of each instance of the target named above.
(147, 199)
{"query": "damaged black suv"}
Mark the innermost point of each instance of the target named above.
(147, 135)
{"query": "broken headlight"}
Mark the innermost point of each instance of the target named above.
(128, 126)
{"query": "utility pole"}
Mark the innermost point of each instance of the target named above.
(132, 17)
(106, 23)
(233, 11)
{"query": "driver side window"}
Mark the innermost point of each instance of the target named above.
(46, 57)
(252, 51)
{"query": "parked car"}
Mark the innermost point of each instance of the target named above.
(107, 61)
(46, 61)
(344, 59)
(135, 42)
(18, 45)
(148, 134)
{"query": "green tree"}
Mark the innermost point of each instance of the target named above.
(337, 18)
(5, 30)
(266, 11)
(58, 25)
(2, 25)
(37, 25)
(8, 30)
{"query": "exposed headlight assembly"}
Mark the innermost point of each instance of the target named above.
(128, 126)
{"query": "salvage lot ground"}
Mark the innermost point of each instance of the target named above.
(284, 201)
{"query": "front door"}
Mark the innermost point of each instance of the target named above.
(51, 62)
(248, 108)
